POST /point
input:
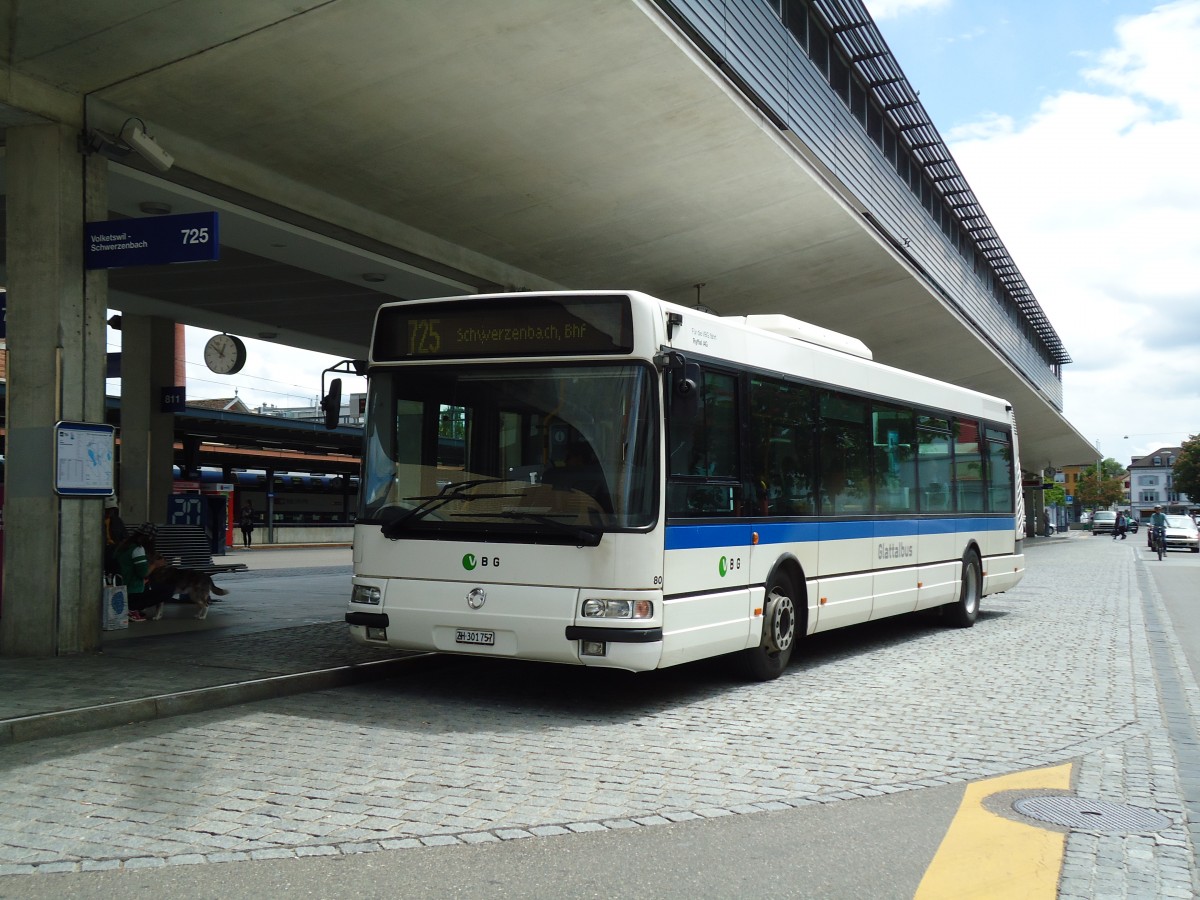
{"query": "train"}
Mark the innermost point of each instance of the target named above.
(295, 498)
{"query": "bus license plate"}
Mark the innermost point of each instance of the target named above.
(486, 638)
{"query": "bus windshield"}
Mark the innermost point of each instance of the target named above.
(544, 451)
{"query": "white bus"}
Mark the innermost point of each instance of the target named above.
(603, 478)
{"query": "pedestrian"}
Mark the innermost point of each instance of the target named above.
(114, 532)
(1120, 528)
(1047, 529)
(247, 525)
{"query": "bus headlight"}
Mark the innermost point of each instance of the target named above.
(618, 609)
(368, 594)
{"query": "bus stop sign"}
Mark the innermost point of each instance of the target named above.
(152, 241)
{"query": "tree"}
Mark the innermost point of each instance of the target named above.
(1054, 496)
(1104, 491)
(1186, 472)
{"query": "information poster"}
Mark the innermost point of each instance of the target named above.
(83, 459)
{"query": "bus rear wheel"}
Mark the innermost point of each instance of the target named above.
(963, 612)
(774, 651)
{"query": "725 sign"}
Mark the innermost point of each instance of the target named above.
(152, 241)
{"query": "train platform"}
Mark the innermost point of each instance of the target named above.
(280, 630)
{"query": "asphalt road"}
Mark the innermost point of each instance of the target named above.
(1178, 580)
(814, 852)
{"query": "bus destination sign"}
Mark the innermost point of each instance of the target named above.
(520, 326)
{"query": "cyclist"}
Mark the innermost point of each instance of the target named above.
(1158, 526)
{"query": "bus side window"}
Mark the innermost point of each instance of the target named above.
(703, 451)
(781, 436)
(845, 455)
(999, 471)
(968, 467)
(895, 459)
(935, 465)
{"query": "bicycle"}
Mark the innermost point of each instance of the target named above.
(1159, 541)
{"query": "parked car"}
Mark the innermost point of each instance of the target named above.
(1104, 522)
(1182, 534)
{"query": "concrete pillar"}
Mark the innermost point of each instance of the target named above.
(147, 433)
(56, 361)
(270, 514)
(180, 379)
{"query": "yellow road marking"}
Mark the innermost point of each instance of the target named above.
(984, 855)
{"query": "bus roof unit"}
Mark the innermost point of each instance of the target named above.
(807, 332)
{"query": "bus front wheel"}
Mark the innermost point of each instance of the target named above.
(769, 659)
(965, 610)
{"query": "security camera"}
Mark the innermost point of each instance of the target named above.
(145, 146)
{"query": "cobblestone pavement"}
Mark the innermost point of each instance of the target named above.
(1077, 664)
(274, 622)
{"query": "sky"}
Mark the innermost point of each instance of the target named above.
(1077, 125)
(274, 375)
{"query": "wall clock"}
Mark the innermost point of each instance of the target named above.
(225, 354)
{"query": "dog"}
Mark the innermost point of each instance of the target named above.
(197, 586)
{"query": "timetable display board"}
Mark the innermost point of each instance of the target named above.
(497, 327)
(83, 459)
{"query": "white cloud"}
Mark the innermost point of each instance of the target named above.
(1097, 197)
(988, 127)
(894, 9)
(967, 36)
(1156, 58)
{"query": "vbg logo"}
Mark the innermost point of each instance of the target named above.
(727, 564)
(470, 561)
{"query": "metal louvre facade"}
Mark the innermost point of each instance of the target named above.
(932, 217)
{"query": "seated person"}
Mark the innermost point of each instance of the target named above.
(580, 471)
(135, 559)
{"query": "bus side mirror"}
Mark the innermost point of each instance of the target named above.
(687, 379)
(684, 379)
(685, 405)
(331, 404)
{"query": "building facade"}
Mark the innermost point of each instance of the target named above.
(1151, 483)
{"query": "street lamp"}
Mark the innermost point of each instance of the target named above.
(1132, 486)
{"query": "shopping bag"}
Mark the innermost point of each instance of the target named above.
(116, 603)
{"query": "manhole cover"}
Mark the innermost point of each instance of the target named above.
(1090, 815)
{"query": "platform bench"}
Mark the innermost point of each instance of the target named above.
(187, 547)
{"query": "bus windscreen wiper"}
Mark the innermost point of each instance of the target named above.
(455, 490)
(585, 535)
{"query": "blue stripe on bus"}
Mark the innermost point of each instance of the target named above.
(695, 537)
(720, 534)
